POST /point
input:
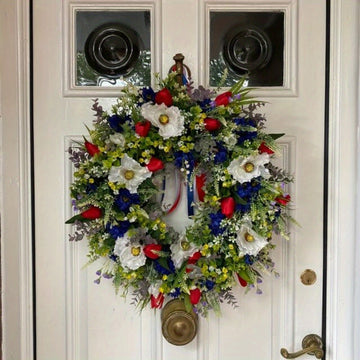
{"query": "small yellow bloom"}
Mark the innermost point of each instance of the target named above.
(91, 181)
(161, 289)
(164, 277)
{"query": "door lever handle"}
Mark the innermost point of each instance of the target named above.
(311, 344)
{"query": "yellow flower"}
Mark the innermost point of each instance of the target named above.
(91, 181)
(164, 277)
(112, 186)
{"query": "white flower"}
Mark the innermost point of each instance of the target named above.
(168, 119)
(130, 173)
(131, 255)
(243, 169)
(181, 250)
(248, 241)
(230, 140)
(154, 288)
(117, 139)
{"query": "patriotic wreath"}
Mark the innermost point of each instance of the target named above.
(129, 175)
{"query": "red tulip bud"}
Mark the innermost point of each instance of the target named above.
(212, 124)
(264, 149)
(142, 128)
(223, 99)
(242, 282)
(92, 213)
(155, 164)
(91, 148)
(152, 251)
(157, 302)
(283, 200)
(228, 207)
(195, 295)
(164, 96)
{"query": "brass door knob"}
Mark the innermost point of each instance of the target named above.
(179, 327)
(311, 344)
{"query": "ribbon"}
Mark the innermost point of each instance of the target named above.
(200, 182)
(171, 185)
(190, 196)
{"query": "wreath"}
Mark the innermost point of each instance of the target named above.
(129, 175)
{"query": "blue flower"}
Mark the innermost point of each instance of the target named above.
(209, 284)
(245, 122)
(175, 293)
(125, 199)
(245, 135)
(90, 188)
(167, 269)
(221, 155)
(116, 122)
(118, 230)
(215, 224)
(181, 158)
(248, 191)
(248, 259)
(206, 105)
(148, 94)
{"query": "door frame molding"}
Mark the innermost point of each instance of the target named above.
(343, 317)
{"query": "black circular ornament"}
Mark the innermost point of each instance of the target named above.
(247, 48)
(112, 49)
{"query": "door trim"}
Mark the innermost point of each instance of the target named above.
(16, 184)
(16, 222)
(343, 143)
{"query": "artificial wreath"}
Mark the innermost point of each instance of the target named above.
(129, 174)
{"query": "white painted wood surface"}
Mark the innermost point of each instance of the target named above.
(16, 223)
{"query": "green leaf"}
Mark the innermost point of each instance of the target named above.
(187, 303)
(276, 136)
(75, 218)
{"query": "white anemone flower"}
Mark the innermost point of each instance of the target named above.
(130, 173)
(168, 119)
(243, 169)
(131, 255)
(117, 139)
(181, 250)
(248, 241)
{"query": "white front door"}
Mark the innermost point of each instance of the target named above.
(79, 320)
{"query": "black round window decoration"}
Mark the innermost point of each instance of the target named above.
(247, 49)
(112, 49)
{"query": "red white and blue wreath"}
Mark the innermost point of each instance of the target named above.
(128, 177)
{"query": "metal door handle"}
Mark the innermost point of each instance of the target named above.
(311, 344)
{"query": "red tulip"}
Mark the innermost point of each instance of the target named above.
(283, 200)
(164, 96)
(228, 207)
(200, 182)
(195, 295)
(157, 302)
(155, 164)
(91, 148)
(92, 213)
(152, 251)
(194, 257)
(212, 124)
(264, 149)
(223, 99)
(142, 128)
(242, 282)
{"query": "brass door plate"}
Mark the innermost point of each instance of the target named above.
(308, 277)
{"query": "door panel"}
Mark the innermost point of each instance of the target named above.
(78, 319)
